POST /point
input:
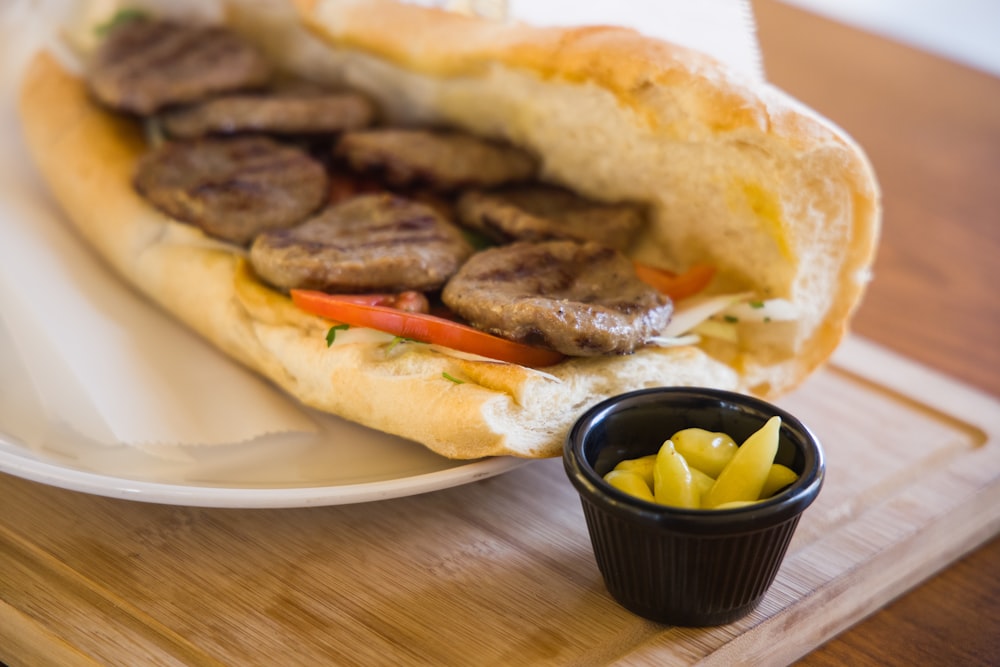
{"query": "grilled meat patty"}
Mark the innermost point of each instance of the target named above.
(145, 65)
(443, 161)
(542, 212)
(581, 299)
(232, 188)
(370, 243)
(286, 112)
(575, 294)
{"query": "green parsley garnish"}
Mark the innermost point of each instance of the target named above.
(396, 341)
(451, 378)
(120, 17)
(731, 318)
(756, 304)
(331, 335)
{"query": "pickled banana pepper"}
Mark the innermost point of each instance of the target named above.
(700, 469)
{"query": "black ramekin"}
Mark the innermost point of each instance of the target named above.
(681, 566)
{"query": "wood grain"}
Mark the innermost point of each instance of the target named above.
(500, 572)
(932, 131)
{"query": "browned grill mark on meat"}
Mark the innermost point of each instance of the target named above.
(370, 243)
(232, 188)
(580, 299)
(440, 160)
(541, 213)
(145, 65)
(280, 112)
(564, 292)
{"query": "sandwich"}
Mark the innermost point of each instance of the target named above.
(460, 231)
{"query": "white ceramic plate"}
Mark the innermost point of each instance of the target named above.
(360, 467)
(341, 463)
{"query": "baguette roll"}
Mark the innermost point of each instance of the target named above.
(780, 201)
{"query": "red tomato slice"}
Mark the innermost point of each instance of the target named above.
(422, 327)
(676, 286)
(411, 302)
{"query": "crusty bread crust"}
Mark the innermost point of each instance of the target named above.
(783, 203)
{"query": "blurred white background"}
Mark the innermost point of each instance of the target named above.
(967, 31)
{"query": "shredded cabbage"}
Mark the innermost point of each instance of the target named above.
(770, 310)
(689, 313)
(719, 316)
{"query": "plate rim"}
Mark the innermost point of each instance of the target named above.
(243, 497)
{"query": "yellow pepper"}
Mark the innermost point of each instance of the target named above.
(642, 466)
(778, 477)
(673, 482)
(629, 482)
(736, 504)
(744, 476)
(702, 482)
(705, 450)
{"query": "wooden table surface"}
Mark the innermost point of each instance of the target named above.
(932, 131)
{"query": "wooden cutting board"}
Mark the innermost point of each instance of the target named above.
(498, 572)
